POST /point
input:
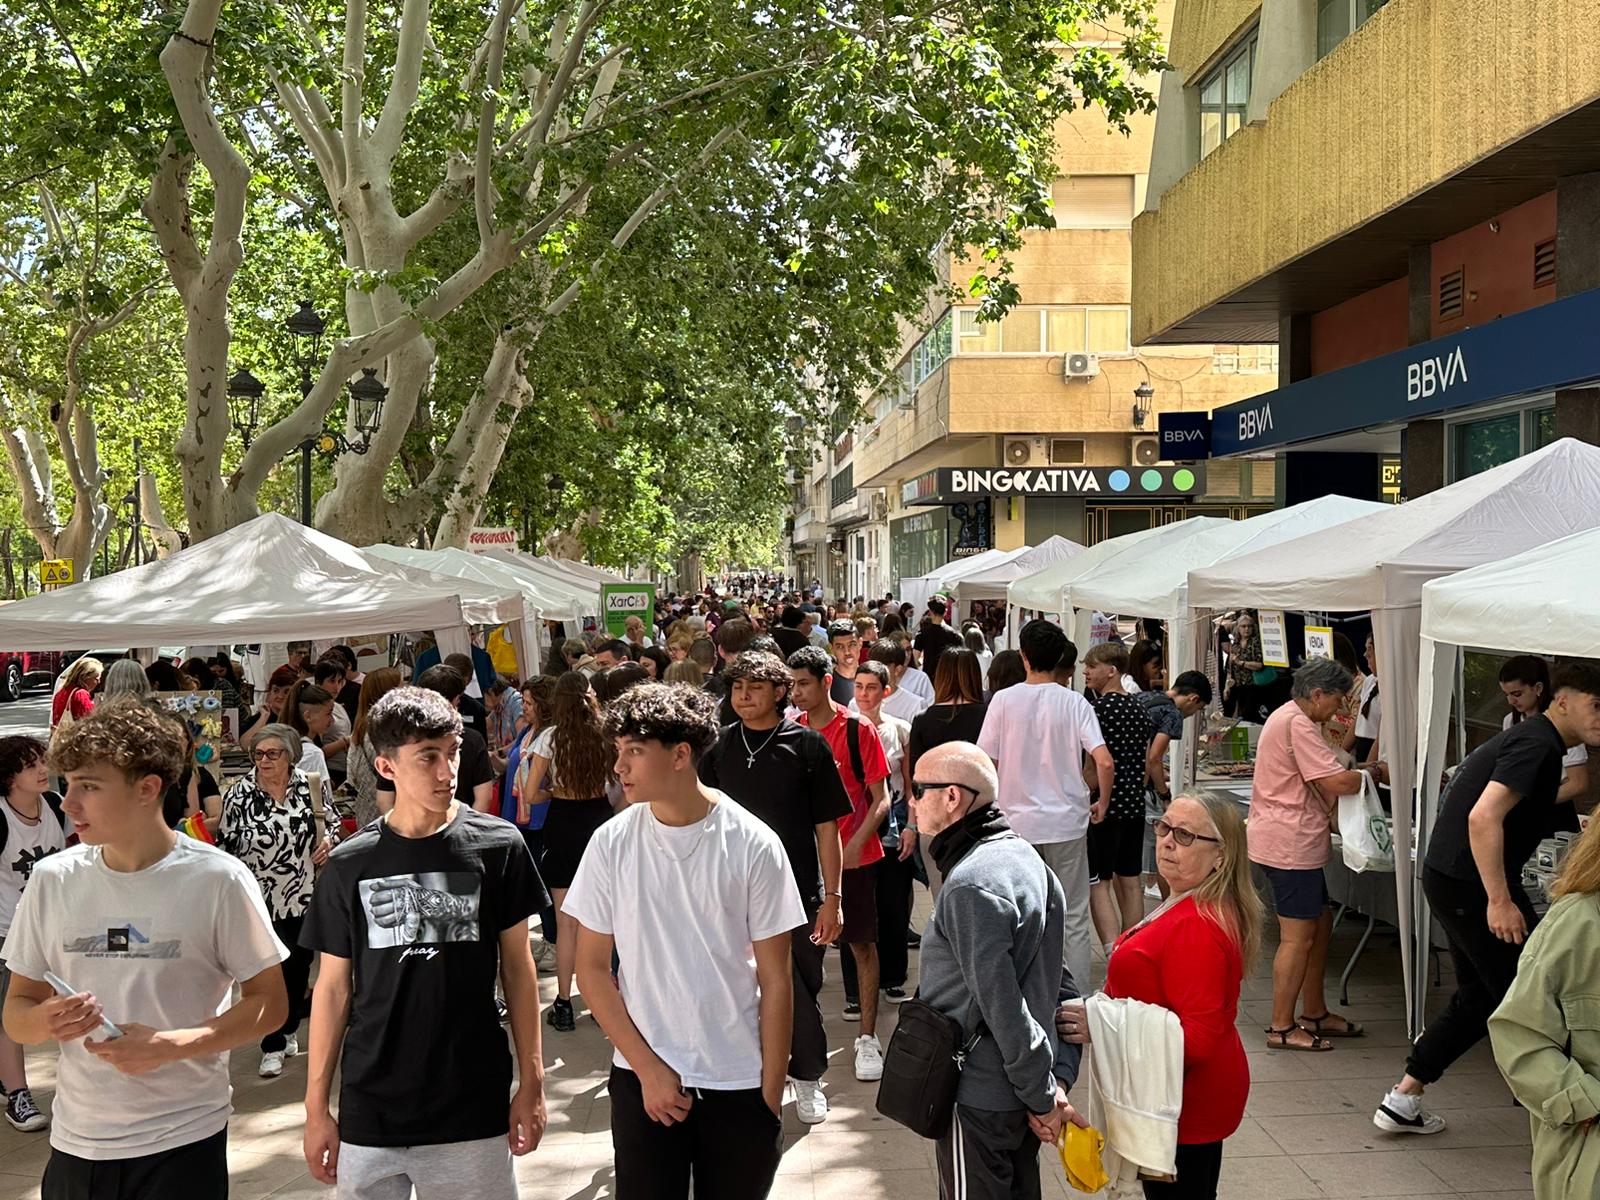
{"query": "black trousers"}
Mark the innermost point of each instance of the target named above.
(728, 1147)
(1199, 1168)
(988, 1156)
(534, 840)
(1485, 967)
(198, 1171)
(296, 973)
(808, 1044)
(892, 879)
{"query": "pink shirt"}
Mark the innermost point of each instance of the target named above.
(1290, 822)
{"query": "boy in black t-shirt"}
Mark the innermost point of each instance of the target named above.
(784, 773)
(413, 918)
(1490, 821)
(475, 777)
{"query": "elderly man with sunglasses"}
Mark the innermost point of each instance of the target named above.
(993, 959)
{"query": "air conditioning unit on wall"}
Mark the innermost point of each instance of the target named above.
(1080, 366)
(1144, 451)
(1024, 452)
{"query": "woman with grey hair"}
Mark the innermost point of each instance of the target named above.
(1298, 782)
(125, 677)
(271, 823)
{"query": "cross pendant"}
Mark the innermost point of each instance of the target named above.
(750, 761)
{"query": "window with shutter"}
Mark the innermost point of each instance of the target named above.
(1094, 202)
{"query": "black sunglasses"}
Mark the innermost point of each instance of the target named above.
(917, 789)
(1184, 837)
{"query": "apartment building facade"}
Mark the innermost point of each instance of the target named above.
(1410, 194)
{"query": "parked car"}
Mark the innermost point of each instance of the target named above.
(28, 668)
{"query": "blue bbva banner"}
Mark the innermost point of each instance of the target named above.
(1185, 436)
(1552, 346)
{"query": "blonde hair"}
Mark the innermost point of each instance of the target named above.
(684, 671)
(1580, 874)
(82, 674)
(1228, 896)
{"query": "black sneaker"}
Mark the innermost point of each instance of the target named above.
(560, 1016)
(913, 939)
(23, 1113)
(896, 995)
(852, 1010)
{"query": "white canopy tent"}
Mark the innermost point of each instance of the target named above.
(579, 598)
(1543, 601)
(1380, 563)
(268, 580)
(990, 583)
(918, 589)
(581, 570)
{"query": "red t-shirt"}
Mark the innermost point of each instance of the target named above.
(82, 705)
(1187, 963)
(873, 761)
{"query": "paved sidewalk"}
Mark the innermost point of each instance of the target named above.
(1307, 1133)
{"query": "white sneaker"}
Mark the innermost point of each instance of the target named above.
(291, 1046)
(1400, 1113)
(810, 1105)
(272, 1064)
(869, 1058)
(545, 960)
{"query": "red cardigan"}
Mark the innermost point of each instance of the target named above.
(1186, 962)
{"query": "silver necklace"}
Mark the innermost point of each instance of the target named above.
(705, 827)
(749, 754)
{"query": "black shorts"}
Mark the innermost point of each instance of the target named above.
(198, 1170)
(1116, 847)
(1300, 895)
(860, 906)
(568, 826)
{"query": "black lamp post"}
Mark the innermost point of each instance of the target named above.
(246, 390)
(306, 326)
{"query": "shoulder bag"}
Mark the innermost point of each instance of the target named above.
(922, 1069)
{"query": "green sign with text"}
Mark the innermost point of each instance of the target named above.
(619, 601)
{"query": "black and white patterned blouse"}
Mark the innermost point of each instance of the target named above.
(276, 840)
(1127, 732)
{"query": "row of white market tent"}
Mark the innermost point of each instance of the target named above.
(1507, 560)
(274, 580)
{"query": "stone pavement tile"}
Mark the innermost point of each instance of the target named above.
(1452, 1092)
(251, 1175)
(875, 1184)
(890, 1148)
(792, 1187)
(1250, 1140)
(1354, 1132)
(26, 1158)
(19, 1187)
(1467, 1170)
(1395, 1173)
(1278, 1066)
(1264, 1179)
(1297, 1098)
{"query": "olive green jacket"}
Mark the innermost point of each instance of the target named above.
(1546, 1036)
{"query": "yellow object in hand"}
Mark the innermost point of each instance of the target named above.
(1080, 1157)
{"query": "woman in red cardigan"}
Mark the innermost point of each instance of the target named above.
(1189, 956)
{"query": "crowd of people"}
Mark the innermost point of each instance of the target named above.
(691, 815)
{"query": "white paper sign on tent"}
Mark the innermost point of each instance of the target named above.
(1274, 638)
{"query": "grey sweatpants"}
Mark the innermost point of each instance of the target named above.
(988, 1156)
(481, 1170)
(1070, 862)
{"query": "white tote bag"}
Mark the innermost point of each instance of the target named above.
(1364, 830)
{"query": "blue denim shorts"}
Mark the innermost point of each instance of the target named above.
(1297, 894)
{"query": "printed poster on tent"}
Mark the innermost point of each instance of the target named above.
(1274, 638)
(619, 601)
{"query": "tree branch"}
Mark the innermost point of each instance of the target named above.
(167, 209)
(483, 199)
(441, 204)
(353, 74)
(405, 81)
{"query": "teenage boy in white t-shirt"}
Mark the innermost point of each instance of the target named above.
(154, 930)
(1039, 735)
(697, 896)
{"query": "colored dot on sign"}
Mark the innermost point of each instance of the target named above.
(1150, 481)
(1118, 481)
(1183, 480)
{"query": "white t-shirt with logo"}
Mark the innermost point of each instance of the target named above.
(159, 947)
(1038, 733)
(27, 843)
(686, 904)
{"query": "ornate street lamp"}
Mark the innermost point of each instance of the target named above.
(1142, 395)
(245, 390)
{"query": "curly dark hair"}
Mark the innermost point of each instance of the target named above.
(668, 713)
(582, 754)
(17, 753)
(127, 734)
(758, 667)
(813, 659)
(409, 714)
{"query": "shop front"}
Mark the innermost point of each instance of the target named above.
(1446, 409)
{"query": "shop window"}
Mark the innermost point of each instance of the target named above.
(1225, 95)
(1489, 441)
(1542, 427)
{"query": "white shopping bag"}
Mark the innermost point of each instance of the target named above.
(1364, 830)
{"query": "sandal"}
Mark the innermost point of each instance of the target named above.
(1318, 1045)
(1315, 1025)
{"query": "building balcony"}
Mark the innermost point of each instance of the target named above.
(1431, 117)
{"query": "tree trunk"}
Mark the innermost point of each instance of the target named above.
(485, 428)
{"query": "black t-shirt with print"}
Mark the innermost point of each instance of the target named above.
(1525, 758)
(475, 767)
(425, 1061)
(931, 643)
(1127, 731)
(794, 786)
